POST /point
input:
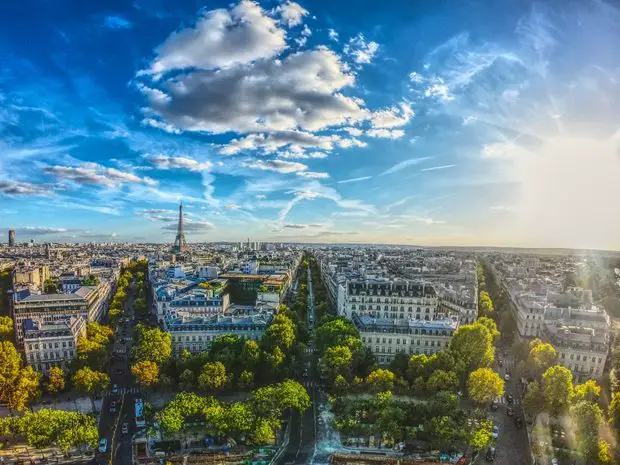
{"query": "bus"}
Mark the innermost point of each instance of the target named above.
(139, 411)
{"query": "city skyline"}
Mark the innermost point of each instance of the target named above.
(474, 125)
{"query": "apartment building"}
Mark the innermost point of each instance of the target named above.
(387, 337)
(196, 334)
(51, 343)
(33, 276)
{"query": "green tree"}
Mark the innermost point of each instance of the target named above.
(587, 417)
(614, 413)
(18, 385)
(589, 391)
(335, 360)
(557, 386)
(604, 453)
(481, 435)
(280, 333)
(246, 379)
(185, 406)
(152, 344)
(55, 380)
(334, 332)
(91, 382)
(146, 373)
(542, 356)
(485, 304)
(484, 385)
(417, 366)
(66, 430)
(6, 328)
(442, 381)
(213, 376)
(187, 380)
(489, 324)
(472, 344)
(381, 380)
(534, 399)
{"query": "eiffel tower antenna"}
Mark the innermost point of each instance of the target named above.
(180, 245)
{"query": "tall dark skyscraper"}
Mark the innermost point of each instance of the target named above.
(11, 238)
(180, 245)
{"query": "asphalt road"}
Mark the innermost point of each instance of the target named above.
(512, 447)
(302, 439)
(110, 423)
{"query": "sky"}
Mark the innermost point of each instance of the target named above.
(427, 123)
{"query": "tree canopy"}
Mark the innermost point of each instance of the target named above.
(557, 387)
(484, 385)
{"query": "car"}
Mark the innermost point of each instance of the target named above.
(494, 405)
(125, 428)
(495, 432)
(518, 422)
(115, 389)
(500, 362)
(509, 411)
(119, 371)
(507, 376)
(509, 398)
(103, 445)
(554, 461)
(113, 406)
(490, 455)
(305, 374)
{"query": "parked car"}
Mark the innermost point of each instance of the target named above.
(494, 405)
(509, 398)
(115, 389)
(509, 411)
(518, 422)
(495, 432)
(490, 455)
(103, 445)
(500, 362)
(125, 428)
(507, 376)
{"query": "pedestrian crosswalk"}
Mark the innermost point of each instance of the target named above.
(503, 401)
(120, 391)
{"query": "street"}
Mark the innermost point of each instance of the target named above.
(512, 447)
(122, 392)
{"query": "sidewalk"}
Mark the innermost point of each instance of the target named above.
(20, 453)
(79, 404)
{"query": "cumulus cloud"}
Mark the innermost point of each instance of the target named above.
(333, 35)
(361, 50)
(13, 188)
(386, 133)
(301, 155)
(291, 13)
(392, 117)
(300, 91)
(295, 141)
(168, 162)
(95, 174)
(279, 166)
(220, 39)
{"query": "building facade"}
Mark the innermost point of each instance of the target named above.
(48, 344)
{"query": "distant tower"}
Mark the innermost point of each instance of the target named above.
(179, 242)
(11, 238)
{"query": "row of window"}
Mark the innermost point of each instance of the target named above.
(387, 300)
(423, 332)
(580, 358)
(388, 358)
(388, 340)
(394, 308)
(50, 345)
(38, 356)
(200, 338)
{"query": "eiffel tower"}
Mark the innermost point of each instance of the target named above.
(180, 245)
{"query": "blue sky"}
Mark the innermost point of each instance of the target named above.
(430, 122)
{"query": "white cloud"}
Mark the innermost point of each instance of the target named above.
(501, 150)
(279, 166)
(416, 77)
(301, 155)
(299, 91)
(333, 35)
(312, 175)
(439, 90)
(361, 178)
(392, 117)
(295, 141)
(168, 162)
(95, 174)
(220, 39)
(360, 49)
(386, 133)
(353, 131)
(14, 188)
(291, 13)
(404, 164)
(511, 96)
